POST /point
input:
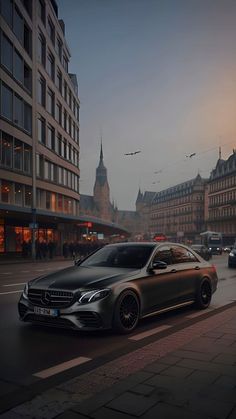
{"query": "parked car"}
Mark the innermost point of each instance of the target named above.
(232, 258)
(202, 250)
(118, 285)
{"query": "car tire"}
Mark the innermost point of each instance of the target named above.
(204, 295)
(126, 313)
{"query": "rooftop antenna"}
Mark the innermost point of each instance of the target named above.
(220, 153)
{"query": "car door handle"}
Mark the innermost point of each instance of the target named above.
(197, 268)
(173, 271)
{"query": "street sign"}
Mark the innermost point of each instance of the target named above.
(85, 224)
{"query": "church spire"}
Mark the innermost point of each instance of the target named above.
(101, 153)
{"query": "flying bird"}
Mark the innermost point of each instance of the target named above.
(158, 171)
(191, 155)
(132, 153)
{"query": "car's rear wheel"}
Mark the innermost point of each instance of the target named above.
(204, 295)
(126, 314)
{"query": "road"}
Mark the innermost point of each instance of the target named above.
(31, 354)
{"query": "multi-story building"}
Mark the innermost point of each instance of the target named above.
(39, 133)
(178, 212)
(222, 199)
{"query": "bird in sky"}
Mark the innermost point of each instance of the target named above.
(191, 155)
(158, 171)
(132, 153)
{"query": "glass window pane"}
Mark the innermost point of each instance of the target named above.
(18, 69)
(18, 194)
(7, 53)
(28, 196)
(18, 26)
(6, 192)
(18, 111)
(7, 11)
(7, 145)
(27, 158)
(18, 154)
(27, 118)
(6, 102)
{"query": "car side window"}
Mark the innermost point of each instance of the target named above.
(163, 254)
(182, 255)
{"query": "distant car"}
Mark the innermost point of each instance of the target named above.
(232, 258)
(119, 284)
(202, 250)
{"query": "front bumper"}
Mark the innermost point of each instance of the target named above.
(93, 316)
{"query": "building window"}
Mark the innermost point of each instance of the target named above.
(50, 65)
(50, 102)
(18, 25)
(42, 11)
(6, 102)
(51, 137)
(18, 111)
(59, 48)
(60, 203)
(18, 194)
(41, 49)
(59, 144)
(28, 196)
(6, 192)
(28, 78)
(65, 63)
(48, 200)
(7, 53)
(6, 150)
(7, 11)
(65, 120)
(41, 130)
(27, 118)
(59, 80)
(41, 90)
(59, 113)
(27, 158)
(51, 31)
(18, 68)
(28, 39)
(18, 154)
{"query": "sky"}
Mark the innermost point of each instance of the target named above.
(157, 76)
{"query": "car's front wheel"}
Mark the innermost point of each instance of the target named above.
(204, 295)
(126, 314)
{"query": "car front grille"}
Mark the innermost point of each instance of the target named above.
(49, 321)
(22, 310)
(89, 319)
(50, 298)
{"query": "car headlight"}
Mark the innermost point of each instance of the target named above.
(209, 248)
(25, 291)
(231, 254)
(87, 297)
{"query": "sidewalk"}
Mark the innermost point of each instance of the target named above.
(188, 374)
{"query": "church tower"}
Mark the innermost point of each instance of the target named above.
(101, 191)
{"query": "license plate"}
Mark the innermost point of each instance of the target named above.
(46, 311)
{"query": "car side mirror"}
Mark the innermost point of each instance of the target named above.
(77, 261)
(159, 264)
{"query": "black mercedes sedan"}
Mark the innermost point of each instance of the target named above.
(119, 284)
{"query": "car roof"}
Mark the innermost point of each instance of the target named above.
(147, 244)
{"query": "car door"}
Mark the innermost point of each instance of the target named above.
(158, 287)
(188, 269)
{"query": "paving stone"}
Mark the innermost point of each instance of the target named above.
(105, 413)
(166, 411)
(215, 392)
(208, 366)
(218, 409)
(69, 414)
(175, 371)
(7, 388)
(170, 359)
(143, 389)
(155, 367)
(227, 359)
(202, 378)
(132, 404)
(226, 381)
(202, 356)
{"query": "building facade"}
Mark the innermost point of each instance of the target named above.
(222, 199)
(39, 135)
(178, 212)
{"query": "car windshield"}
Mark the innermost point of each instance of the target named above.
(132, 257)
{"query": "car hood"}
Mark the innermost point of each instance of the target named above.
(77, 277)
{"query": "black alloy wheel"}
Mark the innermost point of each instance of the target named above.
(126, 313)
(204, 295)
